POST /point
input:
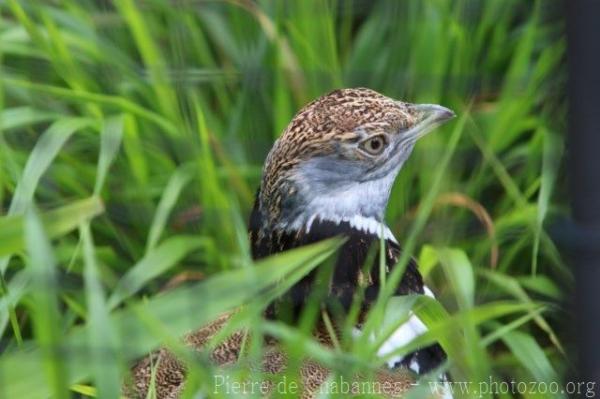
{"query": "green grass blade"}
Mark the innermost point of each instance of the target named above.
(511, 286)
(12, 292)
(12, 238)
(153, 264)
(47, 319)
(110, 141)
(48, 146)
(551, 154)
(177, 310)
(169, 197)
(151, 55)
(46, 149)
(530, 355)
(17, 117)
(104, 356)
(56, 223)
(459, 271)
(116, 102)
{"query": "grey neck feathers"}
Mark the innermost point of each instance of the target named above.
(325, 196)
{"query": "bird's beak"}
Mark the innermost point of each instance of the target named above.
(428, 117)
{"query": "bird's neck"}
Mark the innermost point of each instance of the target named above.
(361, 205)
(270, 237)
(367, 225)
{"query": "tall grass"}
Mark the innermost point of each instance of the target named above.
(132, 135)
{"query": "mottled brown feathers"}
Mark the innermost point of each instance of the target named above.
(169, 372)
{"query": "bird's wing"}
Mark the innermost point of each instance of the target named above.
(165, 374)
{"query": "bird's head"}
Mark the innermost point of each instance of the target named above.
(338, 158)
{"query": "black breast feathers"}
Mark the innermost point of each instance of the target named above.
(350, 270)
(357, 267)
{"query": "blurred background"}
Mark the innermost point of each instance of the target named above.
(132, 135)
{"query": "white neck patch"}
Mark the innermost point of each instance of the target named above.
(362, 223)
(360, 204)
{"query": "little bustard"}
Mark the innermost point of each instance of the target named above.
(330, 174)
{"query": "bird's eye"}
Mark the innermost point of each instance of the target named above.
(375, 145)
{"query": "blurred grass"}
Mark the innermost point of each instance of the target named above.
(132, 135)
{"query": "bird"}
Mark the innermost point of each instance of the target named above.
(330, 173)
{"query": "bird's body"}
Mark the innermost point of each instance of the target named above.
(350, 275)
(330, 174)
